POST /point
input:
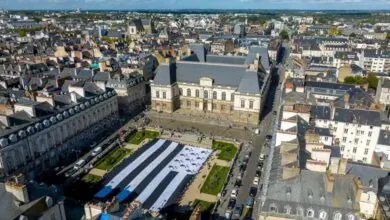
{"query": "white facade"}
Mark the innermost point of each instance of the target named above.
(357, 141)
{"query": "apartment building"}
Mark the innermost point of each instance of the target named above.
(43, 131)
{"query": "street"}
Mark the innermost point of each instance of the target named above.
(266, 127)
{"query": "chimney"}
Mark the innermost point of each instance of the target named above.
(346, 100)
(19, 191)
(329, 182)
(342, 166)
(358, 187)
(73, 97)
(365, 87)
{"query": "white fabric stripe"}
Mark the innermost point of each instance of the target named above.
(152, 186)
(129, 168)
(167, 193)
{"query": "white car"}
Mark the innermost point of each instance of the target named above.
(228, 214)
(261, 158)
(234, 193)
(96, 151)
(256, 181)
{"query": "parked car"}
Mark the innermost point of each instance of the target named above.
(238, 182)
(252, 191)
(232, 203)
(234, 193)
(269, 137)
(242, 167)
(261, 157)
(96, 151)
(238, 211)
(256, 181)
(258, 173)
(79, 164)
(223, 193)
(228, 214)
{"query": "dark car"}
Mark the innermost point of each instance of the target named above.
(269, 137)
(238, 211)
(232, 203)
(275, 112)
(260, 163)
(242, 167)
(238, 182)
(223, 193)
(258, 173)
(252, 191)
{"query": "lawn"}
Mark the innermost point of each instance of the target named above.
(203, 205)
(90, 178)
(215, 180)
(113, 158)
(142, 135)
(227, 150)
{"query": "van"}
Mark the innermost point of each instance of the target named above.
(79, 164)
(96, 151)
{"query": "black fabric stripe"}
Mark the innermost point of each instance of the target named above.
(127, 161)
(159, 190)
(178, 191)
(139, 169)
(144, 183)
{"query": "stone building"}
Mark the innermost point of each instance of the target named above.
(38, 135)
(231, 87)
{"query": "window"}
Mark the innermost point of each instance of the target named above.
(299, 211)
(366, 151)
(272, 208)
(368, 142)
(164, 95)
(232, 97)
(180, 91)
(287, 209)
(369, 134)
(222, 107)
(223, 96)
(322, 215)
(197, 104)
(326, 138)
(214, 106)
(158, 94)
(206, 94)
(346, 131)
(351, 217)
(344, 139)
(310, 213)
(188, 92)
(364, 159)
(251, 104)
(342, 148)
(356, 140)
(197, 93)
(242, 103)
(354, 150)
(188, 104)
(214, 95)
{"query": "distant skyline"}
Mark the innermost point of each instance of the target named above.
(197, 4)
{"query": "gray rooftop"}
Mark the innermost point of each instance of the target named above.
(362, 117)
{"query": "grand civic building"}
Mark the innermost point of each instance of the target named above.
(232, 87)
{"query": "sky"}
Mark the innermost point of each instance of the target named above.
(198, 4)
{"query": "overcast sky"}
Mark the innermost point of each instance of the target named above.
(196, 4)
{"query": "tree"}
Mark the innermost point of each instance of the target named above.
(372, 80)
(352, 35)
(333, 31)
(349, 80)
(284, 35)
(388, 36)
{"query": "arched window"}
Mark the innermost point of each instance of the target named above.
(273, 208)
(338, 216)
(157, 94)
(197, 93)
(300, 211)
(189, 92)
(322, 214)
(287, 209)
(214, 95)
(310, 213)
(205, 94)
(351, 217)
(223, 96)
(180, 91)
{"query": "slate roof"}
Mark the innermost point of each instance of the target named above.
(235, 60)
(263, 52)
(384, 138)
(368, 175)
(357, 116)
(320, 112)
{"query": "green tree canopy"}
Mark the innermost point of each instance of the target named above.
(284, 35)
